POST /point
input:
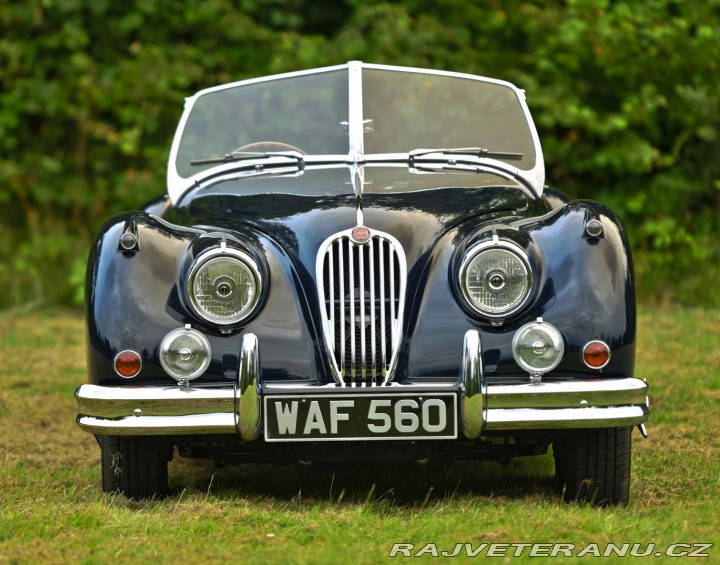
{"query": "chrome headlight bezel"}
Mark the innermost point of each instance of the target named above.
(507, 246)
(202, 261)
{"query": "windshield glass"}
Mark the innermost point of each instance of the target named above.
(310, 112)
(306, 112)
(410, 110)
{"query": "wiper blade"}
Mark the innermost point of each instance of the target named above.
(247, 156)
(469, 151)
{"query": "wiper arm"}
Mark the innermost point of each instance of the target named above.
(469, 151)
(248, 156)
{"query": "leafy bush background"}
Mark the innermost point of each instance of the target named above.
(625, 94)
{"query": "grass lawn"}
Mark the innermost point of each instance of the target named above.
(52, 508)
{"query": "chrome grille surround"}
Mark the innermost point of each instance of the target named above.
(361, 287)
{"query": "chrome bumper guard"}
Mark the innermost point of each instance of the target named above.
(483, 407)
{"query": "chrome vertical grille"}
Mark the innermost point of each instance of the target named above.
(361, 286)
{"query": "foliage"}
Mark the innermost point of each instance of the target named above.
(626, 96)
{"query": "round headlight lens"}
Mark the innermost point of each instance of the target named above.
(225, 288)
(496, 278)
(538, 347)
(184, 354)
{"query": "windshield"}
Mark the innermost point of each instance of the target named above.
(306, 112)
(408, 110)
(357, 110)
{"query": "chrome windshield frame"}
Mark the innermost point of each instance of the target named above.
(179, 186)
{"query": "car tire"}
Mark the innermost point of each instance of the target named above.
(593, 466)
(135, 467)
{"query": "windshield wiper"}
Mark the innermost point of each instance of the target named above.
(469, 151)
(248, 156)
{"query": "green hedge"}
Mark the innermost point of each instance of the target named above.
(626, 96)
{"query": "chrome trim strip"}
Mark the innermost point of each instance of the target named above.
(351, 281)
(568, 394)
(220, 423)
(248, 412)
(363, 345)
(382, 309)
(331, 270)
(565, 418)
(371, 246)
(472, 386)
(355, 110)
(341, 275)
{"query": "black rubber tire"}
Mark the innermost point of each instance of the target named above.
(593, 466)
(135, 467)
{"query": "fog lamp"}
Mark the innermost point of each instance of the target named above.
(184, 354)
(538, 348)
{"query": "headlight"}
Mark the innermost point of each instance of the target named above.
(224, 286)
(538, 347)
(495, 278)
(184, 354)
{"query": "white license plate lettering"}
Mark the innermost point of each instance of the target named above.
(360, 417)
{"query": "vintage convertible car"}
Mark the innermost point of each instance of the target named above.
(362, 263)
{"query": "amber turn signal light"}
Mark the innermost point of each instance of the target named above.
(127, 364)
(596, 354)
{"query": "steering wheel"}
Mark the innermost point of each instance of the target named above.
(268, 147)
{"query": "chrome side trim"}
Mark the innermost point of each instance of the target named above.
(565, 418)
(568, 394)
(248, 412)
(472, 386)
(220, 423)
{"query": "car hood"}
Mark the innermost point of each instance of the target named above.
(300, 212)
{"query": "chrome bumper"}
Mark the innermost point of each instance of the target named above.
(174, 410)
(483, 407)
(594, 403)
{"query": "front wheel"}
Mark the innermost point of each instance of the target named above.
(594, 465)
(135, 467)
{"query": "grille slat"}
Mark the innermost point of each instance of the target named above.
(373, 364)
(362, 291)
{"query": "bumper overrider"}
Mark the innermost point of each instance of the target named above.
(476, 406)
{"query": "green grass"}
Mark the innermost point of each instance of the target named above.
(52, 509)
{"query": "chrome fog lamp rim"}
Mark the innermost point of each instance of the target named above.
(500, 283)
(165, 348)
(554, 342)
(217, 253)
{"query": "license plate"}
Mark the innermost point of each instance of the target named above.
(336, 417)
